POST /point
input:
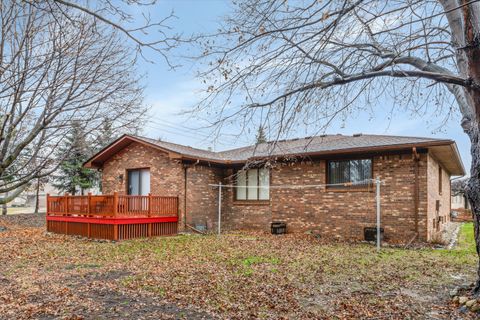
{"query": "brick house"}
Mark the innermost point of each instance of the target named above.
(315, 183)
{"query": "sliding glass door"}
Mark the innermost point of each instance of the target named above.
(138, 182)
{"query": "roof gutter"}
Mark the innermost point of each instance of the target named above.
(373, 149)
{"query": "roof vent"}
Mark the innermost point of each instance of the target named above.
(357, 134)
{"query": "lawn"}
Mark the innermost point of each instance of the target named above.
(238, 275)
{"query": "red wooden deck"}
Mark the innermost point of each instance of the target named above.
(112, 217)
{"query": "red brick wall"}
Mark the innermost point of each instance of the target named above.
(244, 214)
(167, 178)
(341, 214)
(202, 199)
(335, 214)
(166, 175)
(437, 221)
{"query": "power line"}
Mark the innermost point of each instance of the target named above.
(192, 136)
(195, 131)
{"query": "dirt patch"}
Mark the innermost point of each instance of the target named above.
(115, 305)
(24, 220)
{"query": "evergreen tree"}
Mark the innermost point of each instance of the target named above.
(106, 135)
(261, 136)
(71, 174)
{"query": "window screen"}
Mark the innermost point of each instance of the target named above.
(346, 171)
(264, 182)
(241, 185)
(253, 184)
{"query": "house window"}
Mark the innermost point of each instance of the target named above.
(253, 184)
(138, 182)
(440, 180)
(349, 171)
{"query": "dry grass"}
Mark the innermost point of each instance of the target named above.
(243, 275)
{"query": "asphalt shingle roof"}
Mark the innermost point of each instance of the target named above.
(302, 146)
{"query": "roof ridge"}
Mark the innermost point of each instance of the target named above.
(172, 143)
(226, 152)
(282, 140)
(394, 136)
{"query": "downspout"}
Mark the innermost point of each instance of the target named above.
(185, 174)
(416, 197)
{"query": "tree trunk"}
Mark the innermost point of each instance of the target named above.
(473, 192)
(4, 209)
(37, 200)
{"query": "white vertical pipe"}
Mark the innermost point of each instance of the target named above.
(219, 207)
(378, 213)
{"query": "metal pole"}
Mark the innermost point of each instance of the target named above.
(219, 207)
(378, 213)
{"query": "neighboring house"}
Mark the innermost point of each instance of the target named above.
(459, 199)
(286, 182)
(29, 197)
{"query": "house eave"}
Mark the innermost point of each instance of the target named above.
(454, 164)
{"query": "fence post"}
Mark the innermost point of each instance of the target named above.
(378, 214)
(65, 204)
(89, 199)
(47, 201)
(219, 208)
(177, 209)
(65, 197)
(115, 203)
(149, 204)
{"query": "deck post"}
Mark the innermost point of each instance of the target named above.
(47, 201)
(115, 232)
(89, 199)
(149, 204)
(115, 203)
(65, 204)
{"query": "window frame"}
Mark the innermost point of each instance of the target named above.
(364, 187)
(127, 175)
(257, 200)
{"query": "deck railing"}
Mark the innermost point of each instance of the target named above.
(112, 206)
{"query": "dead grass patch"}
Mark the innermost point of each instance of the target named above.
(248, 275)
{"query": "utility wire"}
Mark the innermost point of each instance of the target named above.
(296, 186)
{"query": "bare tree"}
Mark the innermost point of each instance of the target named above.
(310, 62)
(139, 29)
(459, 186)
(57, 66)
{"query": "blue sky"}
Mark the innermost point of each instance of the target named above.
(171, 92)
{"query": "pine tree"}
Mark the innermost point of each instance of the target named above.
(261, 136)
(72, 175)
(106, 135)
